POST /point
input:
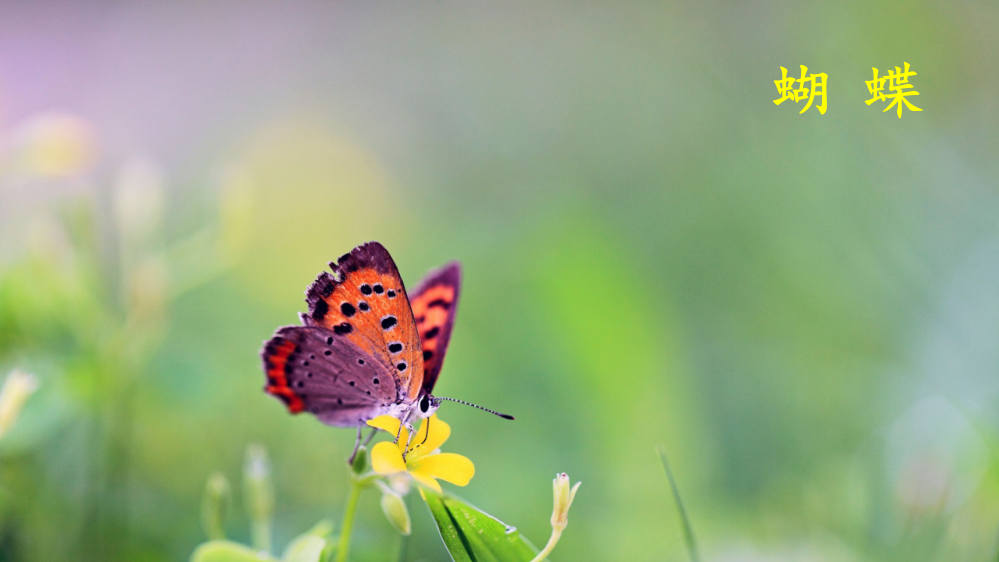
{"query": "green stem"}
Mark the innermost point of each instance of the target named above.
(401, 551)
(260, 535)
(688, 529)
(348, 518)
(552, 541)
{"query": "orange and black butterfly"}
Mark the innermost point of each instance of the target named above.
(367, 347)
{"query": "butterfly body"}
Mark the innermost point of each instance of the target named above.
(361, 351)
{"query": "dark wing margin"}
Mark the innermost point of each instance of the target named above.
(370, 255)
(275, 356)
(434, 304)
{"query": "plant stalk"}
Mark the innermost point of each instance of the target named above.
(260, 535)
(348, 518)
(688, 529)
(401, 551)
(552, 541)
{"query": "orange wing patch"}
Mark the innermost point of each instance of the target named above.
(434, 305)
(366, 302)
(275, 361)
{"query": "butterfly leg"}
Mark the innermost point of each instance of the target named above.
(357, 445)
(371, 436)
(404, 422)
(398, 433)
(409, 439)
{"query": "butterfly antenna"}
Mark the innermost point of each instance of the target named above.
(493, 412)
(426, 434)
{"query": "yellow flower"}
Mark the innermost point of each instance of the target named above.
(424, 462)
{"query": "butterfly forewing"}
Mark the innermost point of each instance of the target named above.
(434, 305)
(365, 301)
(313, 369)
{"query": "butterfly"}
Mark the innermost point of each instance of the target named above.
(367, 347)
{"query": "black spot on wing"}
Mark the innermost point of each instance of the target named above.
(348, 309)
(432, 333)
(368, 255)
(320, 308)
(315, 296)
(342, 329)
(388, 322)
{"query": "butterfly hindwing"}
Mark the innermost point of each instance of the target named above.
(434, 305)
(313, 369)
(365, 301)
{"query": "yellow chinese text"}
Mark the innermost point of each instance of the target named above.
(809, 86)
(898, 87)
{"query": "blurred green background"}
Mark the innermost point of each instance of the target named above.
(802, 310)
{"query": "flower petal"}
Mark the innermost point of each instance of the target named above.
(385, 423)
(424, 444)
(451, 467)
(386, 458)
(391, 425)
(427, 481)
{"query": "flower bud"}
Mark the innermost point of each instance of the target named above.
(563, 495)
(16, 389)
(259, 495)
(215, 505)
(360, 461)
(394, 508)
(138, 201)
(148, 289)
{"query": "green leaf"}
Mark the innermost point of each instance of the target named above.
(306, 548)
(452, 537)
(323, 529)
(473, 536)
(688, 529)
(331, 546)
(310, 545)
(225, 551)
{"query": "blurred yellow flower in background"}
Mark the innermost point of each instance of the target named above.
(423, 459)
(17, 387)
(52, 144)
